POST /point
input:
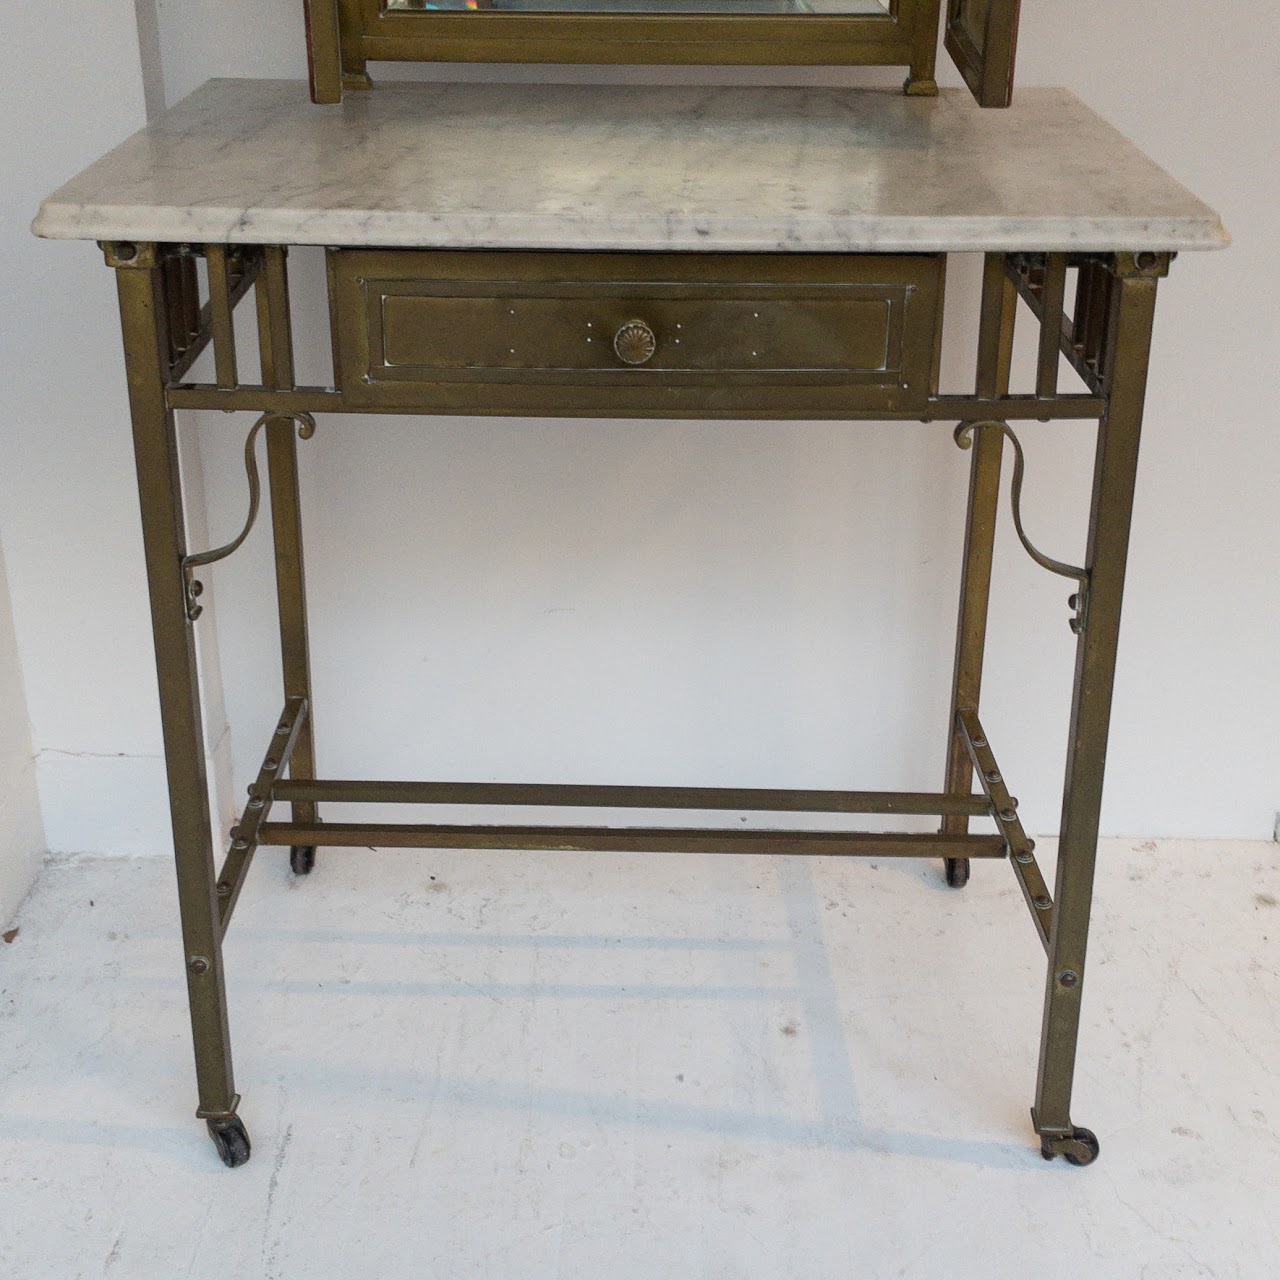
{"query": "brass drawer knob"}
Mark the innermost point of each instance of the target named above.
(634, 342)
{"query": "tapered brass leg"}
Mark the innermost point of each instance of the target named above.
(1129, 341)
(143, 317)
(995, 349)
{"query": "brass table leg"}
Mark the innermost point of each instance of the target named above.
(144, 323)
(995, 351)
(1126, 363)
(286, 521)
(275, 341)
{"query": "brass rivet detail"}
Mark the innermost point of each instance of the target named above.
(1068, 978)
(1042, 904)
(198, 964)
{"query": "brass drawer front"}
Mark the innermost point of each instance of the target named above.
(635, 334)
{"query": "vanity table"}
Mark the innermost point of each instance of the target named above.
(605, 251)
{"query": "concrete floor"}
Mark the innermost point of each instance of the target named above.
(521, 1067)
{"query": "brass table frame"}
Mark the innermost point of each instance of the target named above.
(1105, 336)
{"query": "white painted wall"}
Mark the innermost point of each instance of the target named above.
(65, 518)
(68, 510)
(664, 602)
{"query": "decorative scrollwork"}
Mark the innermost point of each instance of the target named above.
(1079, 601)
(194, 587)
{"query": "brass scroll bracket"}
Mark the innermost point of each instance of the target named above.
(190, 563)
(1079, 600)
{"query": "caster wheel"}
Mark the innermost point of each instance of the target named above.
(1080, 1147)
(302, 857)
(232, 1141)
(957, 872)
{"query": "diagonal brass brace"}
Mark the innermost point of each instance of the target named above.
(1005, 810)
(244, 836)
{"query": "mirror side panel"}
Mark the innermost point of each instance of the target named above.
(982, 39)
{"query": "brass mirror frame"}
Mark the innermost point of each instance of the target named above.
(344, 35)
(982, 39)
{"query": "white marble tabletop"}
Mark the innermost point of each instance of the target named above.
(647, 168)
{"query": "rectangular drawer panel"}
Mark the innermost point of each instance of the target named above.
(636, 334)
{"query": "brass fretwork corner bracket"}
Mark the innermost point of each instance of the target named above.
(129, 253)
(1147, 265)
(1079, 600)
(190, 563)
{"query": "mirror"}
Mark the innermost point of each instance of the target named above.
(754, 7)
(982, 38)
(345, 36)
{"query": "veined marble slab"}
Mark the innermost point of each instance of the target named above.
(624, 167)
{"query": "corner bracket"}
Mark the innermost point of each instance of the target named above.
(1079, 600)
(129, 253)
(194, 587)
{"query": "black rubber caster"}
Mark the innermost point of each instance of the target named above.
(1079, 1147)
(957, 872)
(302, 857)
(232, 1140)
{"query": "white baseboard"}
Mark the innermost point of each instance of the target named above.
(118, 805)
